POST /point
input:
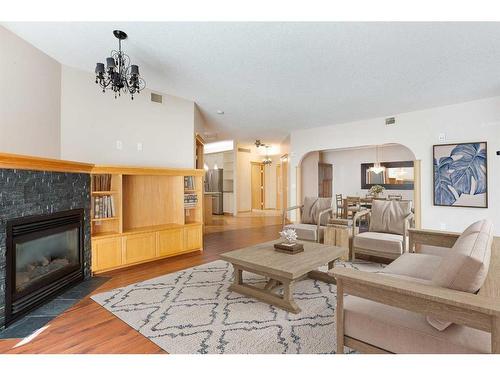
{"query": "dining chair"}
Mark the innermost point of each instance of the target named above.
(353, 205)
(396, 197)
(340, 205)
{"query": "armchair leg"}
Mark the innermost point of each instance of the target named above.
(495, 335)
(340, 317)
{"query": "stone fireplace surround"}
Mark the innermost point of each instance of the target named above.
(35, 186)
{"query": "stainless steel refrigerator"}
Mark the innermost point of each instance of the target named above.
(213, 187)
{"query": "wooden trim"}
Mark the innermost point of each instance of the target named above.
(200, 139)
(417, 192)
(14, 161)
(340, 317)
(149, 171)
(418, 237)
(363, 347)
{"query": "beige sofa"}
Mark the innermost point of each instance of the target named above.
(425, 301)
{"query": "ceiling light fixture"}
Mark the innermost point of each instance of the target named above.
(377, 167)
(220, 112)
(119, 76)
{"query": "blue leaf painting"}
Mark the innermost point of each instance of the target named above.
(469, 162)
(443, 195)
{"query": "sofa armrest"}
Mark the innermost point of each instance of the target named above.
(358, 216)
(431, 237)
(288, 209)
(406, 226)
(459, 307)
(320, 215)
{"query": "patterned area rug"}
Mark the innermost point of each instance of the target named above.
(192, 311)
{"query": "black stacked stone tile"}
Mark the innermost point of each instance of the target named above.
(26, 193)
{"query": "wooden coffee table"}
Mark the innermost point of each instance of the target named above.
(282, 270)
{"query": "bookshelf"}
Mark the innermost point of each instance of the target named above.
(156, 213)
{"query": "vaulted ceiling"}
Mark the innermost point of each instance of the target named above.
(270, 78)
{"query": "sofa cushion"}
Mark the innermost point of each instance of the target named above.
(388, 216)
(402, 331)
(383, 242)
(307, 216)
(312, 208)
(306, 232)
(422, 266)
(465, 267)
(434, 250)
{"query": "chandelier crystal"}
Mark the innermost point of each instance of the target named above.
(119, 75)
(377, 167)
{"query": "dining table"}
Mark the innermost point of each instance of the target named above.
(364, 202)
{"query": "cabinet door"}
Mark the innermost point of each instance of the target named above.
(139, 247)
(170, 241)
(106, 253)
(193, 238)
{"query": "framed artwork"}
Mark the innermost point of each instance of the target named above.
(461, 175)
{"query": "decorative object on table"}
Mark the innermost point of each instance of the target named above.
(461, 175)
(289, 248)
(119, 76)
(289, 244)
(376, 190)
(289, 236)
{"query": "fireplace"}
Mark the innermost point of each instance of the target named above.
(44, 256)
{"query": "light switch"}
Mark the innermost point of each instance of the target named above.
(442, 137)
(119, 145)
(139, 146)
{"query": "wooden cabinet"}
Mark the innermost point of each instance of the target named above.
(158, 213)
(106, 253)
(139, 247)
(170, 241)
(193, 237)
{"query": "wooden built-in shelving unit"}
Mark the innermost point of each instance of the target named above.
(150, 219)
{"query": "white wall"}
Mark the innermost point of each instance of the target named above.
(466, 122)
(30, 94)
(347, 167)
(309, 170)
(92, 122)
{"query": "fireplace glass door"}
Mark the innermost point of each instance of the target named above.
(45, 256)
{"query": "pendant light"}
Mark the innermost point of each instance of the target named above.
(377, 167)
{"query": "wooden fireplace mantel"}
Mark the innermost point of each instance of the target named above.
(15, 161)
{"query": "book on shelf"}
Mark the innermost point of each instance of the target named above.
(103, 207)
(190, 200)
(189, 183)
(101, 182)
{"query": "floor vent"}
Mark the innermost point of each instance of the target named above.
(390, 120)
(156, 98)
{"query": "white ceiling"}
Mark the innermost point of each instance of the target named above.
(270, 78)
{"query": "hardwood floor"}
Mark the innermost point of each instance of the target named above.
(89, 328)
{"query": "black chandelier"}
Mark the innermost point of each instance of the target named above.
(119, 76)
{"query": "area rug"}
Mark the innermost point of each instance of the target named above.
(192, 311)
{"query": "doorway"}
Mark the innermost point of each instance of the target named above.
(257, 177)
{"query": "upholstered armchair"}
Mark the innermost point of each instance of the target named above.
(314, 215)
(387, 235)
(445, 298)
